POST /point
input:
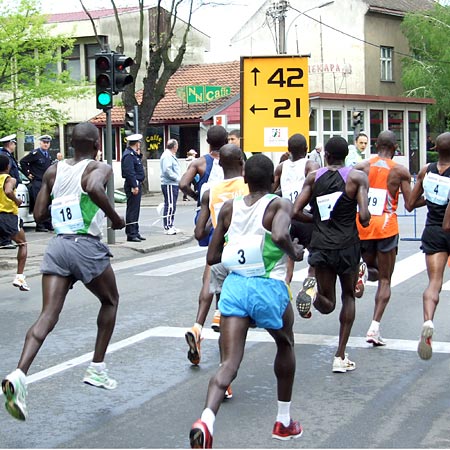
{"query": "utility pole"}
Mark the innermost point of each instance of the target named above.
(277, 11)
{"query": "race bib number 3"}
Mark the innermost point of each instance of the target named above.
(66, 214)
(244, 256)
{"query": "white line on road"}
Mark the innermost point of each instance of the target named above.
(253, 336)
(175, 268)
(156, 258)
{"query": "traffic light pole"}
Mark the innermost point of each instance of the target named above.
(110, 186)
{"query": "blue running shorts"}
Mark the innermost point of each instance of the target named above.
(262, 299)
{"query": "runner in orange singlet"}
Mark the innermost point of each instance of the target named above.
(379, 241)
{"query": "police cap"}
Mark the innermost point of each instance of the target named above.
(11, 137)
(45, 138)
(134, 138)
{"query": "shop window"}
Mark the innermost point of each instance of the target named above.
(395, 124)
(312, 128)
(332, 124)
(414, 140)
(376, 127)
(72, 63)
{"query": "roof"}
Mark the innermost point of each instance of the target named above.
(172, 108)
(81, 15)
(399, 7)
(370, 98)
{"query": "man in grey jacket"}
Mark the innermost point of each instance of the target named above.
(170, 177)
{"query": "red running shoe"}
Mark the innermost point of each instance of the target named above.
(293, 431)
(200, 437)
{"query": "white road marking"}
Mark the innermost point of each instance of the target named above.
(135, 262)
(175, 268)
(253, 336)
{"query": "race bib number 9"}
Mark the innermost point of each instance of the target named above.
(66, 215)
(244, 256)
(436, 188)
(377, 199)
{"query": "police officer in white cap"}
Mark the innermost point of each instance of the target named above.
(34, 166)
(9, 144)
(133, 172)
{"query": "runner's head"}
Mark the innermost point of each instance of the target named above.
(443, 144)
(259, 173)
(85, 139)
(4, 164)
(297, 146)
(216, 136)
(336, 149)
(387, 143)
(231, 157)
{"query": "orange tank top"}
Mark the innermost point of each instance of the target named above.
(382, 205)
(222, 191)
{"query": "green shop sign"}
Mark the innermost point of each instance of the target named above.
(202, 94)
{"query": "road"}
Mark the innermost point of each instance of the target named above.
(392, 400)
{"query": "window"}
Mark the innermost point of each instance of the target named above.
(90, 51)
(386, 54)
(332, 124)
(312, 128)
(395, 124)
(72, 63)
(351, 130)
(414, 139)
(376, 127)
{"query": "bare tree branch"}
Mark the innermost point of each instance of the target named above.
(93, 25)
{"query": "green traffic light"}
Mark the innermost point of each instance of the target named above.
(104, 99)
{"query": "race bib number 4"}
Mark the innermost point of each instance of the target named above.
(66, 214)
(436, 188)
(244, 256)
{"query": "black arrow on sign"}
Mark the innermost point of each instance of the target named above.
(255, 71)
(254, 108)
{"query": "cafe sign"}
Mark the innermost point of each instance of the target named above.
(202, 93)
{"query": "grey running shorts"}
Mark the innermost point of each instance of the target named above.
(218, 275)
(82, 257)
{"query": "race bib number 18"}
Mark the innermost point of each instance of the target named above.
(66, 214)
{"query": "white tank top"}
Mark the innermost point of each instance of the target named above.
(292, 178)
(73, 211)
(247, 224)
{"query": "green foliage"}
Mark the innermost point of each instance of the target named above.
(432, 157)
(29, 83)
(428, 73)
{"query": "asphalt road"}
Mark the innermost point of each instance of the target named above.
(392, 400)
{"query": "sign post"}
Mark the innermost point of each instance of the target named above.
(274, 101)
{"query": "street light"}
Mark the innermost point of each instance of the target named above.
(304, 12)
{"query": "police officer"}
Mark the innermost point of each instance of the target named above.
(8, 147)
(133, 172)
(34, 165)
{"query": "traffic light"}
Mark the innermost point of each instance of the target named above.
(121, 76)
(357, 118)
(130, 124)
(104, 80)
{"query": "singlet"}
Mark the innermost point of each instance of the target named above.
(436, 189)
(222, 191)
(73, 211)
(382, 206)
(334, 213)
(213, 172)
(292, 178)
(245, 229)
(6, 204)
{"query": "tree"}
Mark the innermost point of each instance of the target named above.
(29, 82)
(160, 67)
(427, 72)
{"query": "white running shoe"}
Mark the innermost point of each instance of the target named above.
(425, 349)
(21, 283)
(374, 337)
(99, 378)
(343, 365)
(14, 386)
(363, 275)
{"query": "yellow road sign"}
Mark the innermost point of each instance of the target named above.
(274, 101)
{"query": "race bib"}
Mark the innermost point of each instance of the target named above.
(436, 188)
(377, 199)
(244, 256)
(66, 214)
(326, 203)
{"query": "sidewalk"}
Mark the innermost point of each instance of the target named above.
(121, 249)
